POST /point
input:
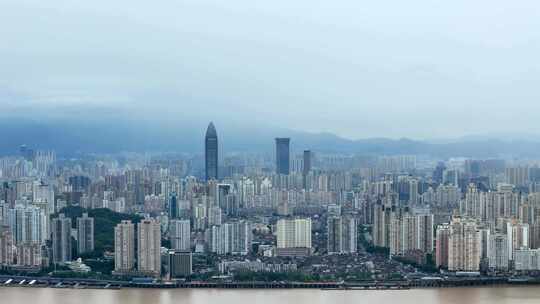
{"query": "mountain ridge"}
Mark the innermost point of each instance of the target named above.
(72, 136)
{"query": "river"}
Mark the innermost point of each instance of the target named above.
(484, 295)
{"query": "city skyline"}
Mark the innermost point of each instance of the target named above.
(171, 217)
(343, 146)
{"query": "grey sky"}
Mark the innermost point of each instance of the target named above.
(420, 69)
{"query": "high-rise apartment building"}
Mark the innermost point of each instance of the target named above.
(27, 224)
(124, 247)
(414, 232)
(382, 217)
(61, 239)
(403, 230)
(441, 245)
(85, 234)
(517, 236)
(230, 238)
(180, 235)
(518, 176)
(498, 252)
(464, 245)
(29, 255)
(149, 247)
(413, 191)
(294, 236)
(6, 246)
(342, 234)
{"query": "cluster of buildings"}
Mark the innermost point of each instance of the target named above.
(29, 241)
(459, 214)
(496, 230)
(148, 255)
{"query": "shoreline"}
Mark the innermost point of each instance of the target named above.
(73, 283)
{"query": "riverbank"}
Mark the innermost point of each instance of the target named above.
(74, 283)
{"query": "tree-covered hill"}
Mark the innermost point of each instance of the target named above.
(104, 222)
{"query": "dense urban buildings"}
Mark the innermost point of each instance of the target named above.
(286, 212)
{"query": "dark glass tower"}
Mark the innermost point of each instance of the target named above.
(173, 206)
(307, 167)
(282, 155)
(307, 162)
(211, 152)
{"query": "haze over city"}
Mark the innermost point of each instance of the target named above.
(201, 151)
(417, 69)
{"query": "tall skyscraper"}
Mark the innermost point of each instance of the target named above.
(307, 162)
(61, 239)
(180, 235)
(124, 247)
(211, 152)
(306, 169)
(85, 234)
(283, 155)
(149, 249)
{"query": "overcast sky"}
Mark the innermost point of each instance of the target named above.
(418, 69)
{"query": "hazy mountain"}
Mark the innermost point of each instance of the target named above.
(114, 134)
